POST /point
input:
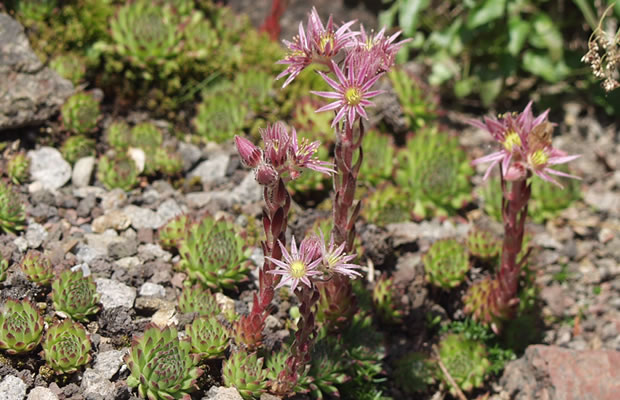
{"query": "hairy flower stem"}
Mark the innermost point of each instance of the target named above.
(514, 211)
(275, 221)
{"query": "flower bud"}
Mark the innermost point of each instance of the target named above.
(250, 154)
(266, 175)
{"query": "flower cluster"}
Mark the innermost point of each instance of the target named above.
(313, 260)
(526, 145)
(283, 156)
(367, 57)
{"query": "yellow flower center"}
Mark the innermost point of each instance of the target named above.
(326, 39)
(353, 96)
(538, 158)
(511, 140)
(298, 269)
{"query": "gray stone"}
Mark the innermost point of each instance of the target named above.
(143, 217)
(113, 219)
(83, 171)
(88, 254)
(409, 232)
(168, 210)
(86, 191)
(211, 170)
(35, 235)
(128, 262)
(30, 93)
(21, 243)
(93, 382)
(115, 294)
(122, 248)
(115, 198)
(108, 362)
(249, 190)
(150, 251)
(48, 168)
(153, 290)
(42, 393)
(222, 393)
(82, 267)
(190, 155)
(11, 387)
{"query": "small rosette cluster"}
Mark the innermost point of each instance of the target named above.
(76, 295)
(76, 147)
(80, 113)
(171, 234)
(384, 300)
(209, 337)
(21, 326)
(161, 365)
(12, 210)
(245, 372)
(196, 299)
(37, 267)
(17, 168)
(484, 302)
(483, 244)
(466, 361)
(117, 170)
(4, 267)
(214, 254)
(66, 347)
(446, 263)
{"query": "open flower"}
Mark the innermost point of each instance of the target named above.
(525, 145)
(335, 260)
(352, 91)
(297, 266)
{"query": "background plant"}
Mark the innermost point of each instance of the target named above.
(80, 113)
(446, 263)
(17, 168)
(76, 295)
(21, 326)
(66, 347)
(466, 361)
(12, 210)
(37, 267)
(245, 372)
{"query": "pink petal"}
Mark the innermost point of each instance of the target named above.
(330, 106)
(329, 95)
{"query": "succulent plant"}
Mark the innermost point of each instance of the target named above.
(171, 234)
(70, 66)
(167, 161)
(4, 267)
(76, 147)
(214, 254)
(209, 337)
(219, 118)
(76, 295)
(378, 163)
(17, 168)
(276, 364)
(80, 113)
(146, 136)
(37, 268)
(435, 173)
(118, 135)
(446, 263)
(490, 195)
(34, 10)
(466, 361)
(549, 200)
(384, 301)
(386, 205)
(245, 372)
(201, 39)
(161, 364)
(336, 306)
(117, 171)
(365, 349)
(418, 103)
(316, 125)
(66, 347)
(328, 368)
(21, 326)
(254, 87)
(483, 244)
(12, 210)
(148, 35)
(480, 303)
(414, 373)
(198, 300)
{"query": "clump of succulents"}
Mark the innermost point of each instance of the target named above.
(483, 244)
(117, 171)
(549, 200)
(198, 300)
(37, 267)
(276, 363)
(254, 87)
(417, 102)
(245, 372)
(76, 295)
(386, 205)
(146, 135)
(80, 113)
(219, 118)
(307, 120)
(327, 368)
(76, 147)
(66, 347)
(4, 267)
(213, 253)
(118, 135)
(384, 301)
(481, 304)
(209, 337)
(12, 210)
(446, 263)
(17, 168)
(414, 373)
(161, 365)
(171, 234)
(466, 361)
(378, 164)
(148, 36)
(435, 173)
(21, 326)
(70, 66)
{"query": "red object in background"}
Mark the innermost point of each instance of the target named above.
(271, 25)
